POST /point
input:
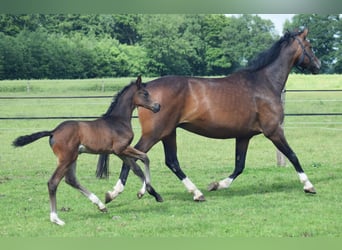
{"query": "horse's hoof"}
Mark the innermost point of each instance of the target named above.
(159, 198)
(108, 198)
(213, 186)
(311, 190)
(201, 198)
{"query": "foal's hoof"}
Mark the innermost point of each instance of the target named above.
(108, 198)
(213, 186)
(200, 198)
(311, 190)
(140, 195)
(104, 210)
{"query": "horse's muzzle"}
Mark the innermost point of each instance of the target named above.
(156, 107)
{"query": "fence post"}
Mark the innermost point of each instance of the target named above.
(281, 159)
(28, 87)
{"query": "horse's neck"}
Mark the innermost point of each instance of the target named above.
(278, 71)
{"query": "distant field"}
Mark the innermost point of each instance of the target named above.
(265, 201)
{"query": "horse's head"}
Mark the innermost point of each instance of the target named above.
(142, 97)
(305, 57)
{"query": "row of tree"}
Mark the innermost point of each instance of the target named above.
(89, 46)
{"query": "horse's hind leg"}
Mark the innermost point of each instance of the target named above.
(280, 142)
(240, 158)
(71, 179)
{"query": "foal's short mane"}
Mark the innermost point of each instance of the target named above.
(115, 100)
(117, 97)
(270, 55)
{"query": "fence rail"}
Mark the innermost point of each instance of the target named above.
(110, 96)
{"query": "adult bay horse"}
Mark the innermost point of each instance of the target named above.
(242, 105)
(111, 133)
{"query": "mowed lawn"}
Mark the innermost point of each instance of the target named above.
(265, 201)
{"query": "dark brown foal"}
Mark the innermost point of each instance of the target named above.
(110, 134)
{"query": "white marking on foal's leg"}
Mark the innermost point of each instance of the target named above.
(198, 196)
(225, 183)
(305, 180)
(54, 219)
(117, 189)
(94, 199)
(142, 190)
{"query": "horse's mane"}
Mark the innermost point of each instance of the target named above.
(115, 100)
(268, 56)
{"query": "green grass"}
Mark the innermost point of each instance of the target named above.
(265, 201)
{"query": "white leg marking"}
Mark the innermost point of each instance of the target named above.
(54, 219)
(305, 180)
(225, 183)
(142, 191)
(118, 188)
(94, 199)
(192, 188)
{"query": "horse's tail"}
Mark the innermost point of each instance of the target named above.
(102, 170)
(26, 139)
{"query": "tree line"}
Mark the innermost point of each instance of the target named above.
(61, 46)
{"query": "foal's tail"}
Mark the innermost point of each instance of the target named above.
(102, 170)
(26, 139)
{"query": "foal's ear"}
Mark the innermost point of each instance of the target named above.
(138, 82)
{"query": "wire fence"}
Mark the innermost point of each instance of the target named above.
(109, 96)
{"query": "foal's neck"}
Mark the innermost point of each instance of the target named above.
(124, 107)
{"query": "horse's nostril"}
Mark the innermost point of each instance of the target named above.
(156, 107)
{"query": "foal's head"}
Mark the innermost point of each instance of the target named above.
(305, 57)
(142, 97)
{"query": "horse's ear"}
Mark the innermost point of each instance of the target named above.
(304, 33)
(138, 82)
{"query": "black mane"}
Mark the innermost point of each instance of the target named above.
(115, 100)
(270, 55)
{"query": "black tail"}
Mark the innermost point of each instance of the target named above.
(26, 139)
(102, 170)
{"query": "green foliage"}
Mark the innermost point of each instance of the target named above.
(36, 46)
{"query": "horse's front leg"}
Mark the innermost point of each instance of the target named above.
(171, 161)
(280, 142)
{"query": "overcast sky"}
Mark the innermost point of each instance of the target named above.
(278, 20)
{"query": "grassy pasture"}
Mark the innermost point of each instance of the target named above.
(265, 201)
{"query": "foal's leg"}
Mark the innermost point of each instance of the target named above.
(129, 155)
(280, 142)
(143, 145)
(52, 187)
(241, 146)
(71, 179)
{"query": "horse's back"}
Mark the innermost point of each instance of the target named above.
(213, 107)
